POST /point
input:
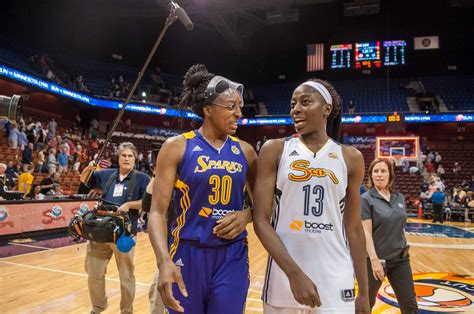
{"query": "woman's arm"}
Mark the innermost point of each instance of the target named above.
(303, 289)
(166, 170)
(377, 267)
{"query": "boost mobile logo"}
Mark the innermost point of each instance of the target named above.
(311, 227)
(214, 213)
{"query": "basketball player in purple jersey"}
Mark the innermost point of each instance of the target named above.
(206, 255)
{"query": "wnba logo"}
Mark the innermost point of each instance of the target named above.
(438, 292)
(3, 214)
(56, 211)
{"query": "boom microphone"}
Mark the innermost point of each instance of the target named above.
(182, 16)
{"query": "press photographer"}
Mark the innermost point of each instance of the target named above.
(124, 186)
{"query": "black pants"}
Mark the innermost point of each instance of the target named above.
(438, 213)
(400, 277)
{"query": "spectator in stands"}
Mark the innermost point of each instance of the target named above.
(438, 199)
(114, 88)
(431, 156)
(76, 158)
(80, 85)
(62, 160)
(351, 107)
(47, 183)
(40, 159)
(11, 170)
(405, 166)
(437, 159)
(457, 197)
(429, 166)
(456, 167)
(439, 184)
(35, 193)
(41, 137)
(7, 126)
(423, 157)
(52, 126)
(25, 180)
(22, 139)
(52, 162)
(128, 125)
(424, 196)
(414, 170)
(27, 156)
(56, 191)
(6, 181)
(13, 136)
(440, 171)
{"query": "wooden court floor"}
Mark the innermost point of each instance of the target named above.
(54, 280)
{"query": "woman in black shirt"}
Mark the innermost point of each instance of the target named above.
(384, 219)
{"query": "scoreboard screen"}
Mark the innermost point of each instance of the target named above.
(341, 56)
(367, 55)
(394, 51)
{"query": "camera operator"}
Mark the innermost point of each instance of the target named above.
(124, 186)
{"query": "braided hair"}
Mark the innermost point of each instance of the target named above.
(334, 119)
(194, 85)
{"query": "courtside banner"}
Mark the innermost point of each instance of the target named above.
(27, 217)
(427, 42)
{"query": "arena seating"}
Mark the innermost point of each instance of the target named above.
(456, 91)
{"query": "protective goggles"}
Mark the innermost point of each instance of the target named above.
(220, 85)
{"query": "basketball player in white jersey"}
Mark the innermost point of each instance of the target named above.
(307, 205)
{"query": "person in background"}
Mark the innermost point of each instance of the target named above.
(27, 156)
(25, 180)
(48, 182)
(35, 193)
(384, 218)
(52, 163)
(124, 186)
(13, 136)
(22, 139)
(56, 191)
(438, 200)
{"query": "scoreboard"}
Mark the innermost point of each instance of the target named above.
(341, 56)
(394, 51)
(367, 55)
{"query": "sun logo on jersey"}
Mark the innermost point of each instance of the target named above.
(437, 292)
(308, 172)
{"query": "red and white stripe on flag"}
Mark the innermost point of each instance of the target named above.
(315, 58)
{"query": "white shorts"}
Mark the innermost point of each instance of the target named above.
(269, 309)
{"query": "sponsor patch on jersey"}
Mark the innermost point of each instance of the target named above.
(179, 263)
(294, 153)
(197, 149)
(311, 226)
(348, 295)
(333, 156)
(235, 150)
(205, 212)
(214, 213)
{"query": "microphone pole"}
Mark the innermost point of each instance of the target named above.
(175, 9)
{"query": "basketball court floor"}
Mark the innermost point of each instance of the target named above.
(47, 276)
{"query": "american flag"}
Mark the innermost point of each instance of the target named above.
(315, 58)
